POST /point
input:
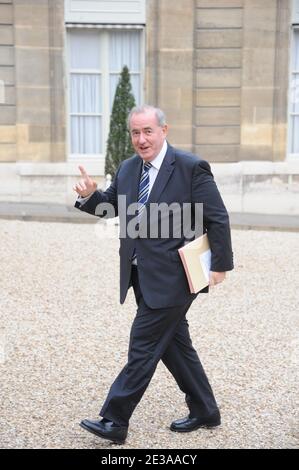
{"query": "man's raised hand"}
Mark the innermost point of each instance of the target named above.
(86, 186)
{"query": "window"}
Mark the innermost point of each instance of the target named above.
(294, 97)
(124, 49)
(96, 58)
(295, 12)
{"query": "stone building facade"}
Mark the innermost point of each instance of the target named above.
(224, 71)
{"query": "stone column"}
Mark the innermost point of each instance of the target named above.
(57, 59)
(258, 82)
(218, 66)
(169, 74)
(281, 80)
(38, 27)
(7, 84)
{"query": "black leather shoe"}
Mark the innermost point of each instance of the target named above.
(106, 430)
(191, 424)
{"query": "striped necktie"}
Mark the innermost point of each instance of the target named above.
(142, 195)
(143, 188)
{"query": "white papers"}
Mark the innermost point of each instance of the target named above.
(205, 261)
(196, 259)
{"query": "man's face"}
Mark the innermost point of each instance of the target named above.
(147, 136)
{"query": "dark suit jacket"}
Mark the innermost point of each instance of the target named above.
(182, 178)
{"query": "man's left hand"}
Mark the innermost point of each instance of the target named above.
(216, 278)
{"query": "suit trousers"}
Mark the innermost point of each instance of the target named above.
(158, 334)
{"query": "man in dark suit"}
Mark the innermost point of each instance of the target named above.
(158, 173)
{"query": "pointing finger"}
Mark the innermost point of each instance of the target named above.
(83, 171)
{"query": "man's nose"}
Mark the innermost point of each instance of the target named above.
(142, 139)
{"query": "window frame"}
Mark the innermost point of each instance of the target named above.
(104, 73)
(292, 156)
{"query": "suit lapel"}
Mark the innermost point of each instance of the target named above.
(161, 181)
(135, 173)
(163, 176)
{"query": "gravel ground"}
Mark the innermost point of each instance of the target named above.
(64, 336)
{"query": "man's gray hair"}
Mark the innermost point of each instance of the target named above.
(161, 118)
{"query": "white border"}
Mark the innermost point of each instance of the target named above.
(92, 14)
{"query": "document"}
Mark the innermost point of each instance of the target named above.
(196, 259)
(205, 261)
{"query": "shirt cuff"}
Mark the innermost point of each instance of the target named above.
(82, 200)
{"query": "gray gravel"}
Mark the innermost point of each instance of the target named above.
(64, 336)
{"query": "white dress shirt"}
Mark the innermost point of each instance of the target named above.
(156, 165)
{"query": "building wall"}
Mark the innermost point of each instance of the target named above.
(32, 58)
(232, 109)
(32, 111)
(8, 134)
(264, 87)
(281, 80)
(218, 65)
(169, 70)
(219, 69)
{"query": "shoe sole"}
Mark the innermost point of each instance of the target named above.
(115, 441)
(205, 426)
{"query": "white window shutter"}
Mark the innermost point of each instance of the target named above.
(105, 11)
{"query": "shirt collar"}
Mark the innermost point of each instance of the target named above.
(157, 161)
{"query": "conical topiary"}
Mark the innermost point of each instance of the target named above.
(119, 146)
